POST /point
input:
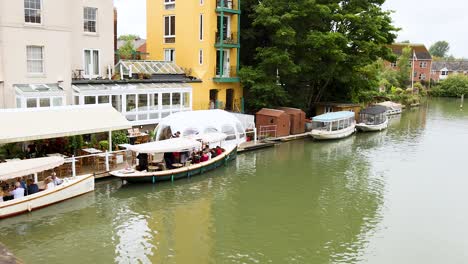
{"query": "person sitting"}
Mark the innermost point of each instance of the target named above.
(49, 184)
(208, 153)
(56, 180)
(32, 187)
(219, 151)
(18, 192)
(204, 157)
(213, 153)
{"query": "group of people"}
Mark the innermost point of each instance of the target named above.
(22, 188)
(206, 154)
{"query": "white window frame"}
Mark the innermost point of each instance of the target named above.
(422, 76)
(170, 28)
(169, 4)
(40, 14)
(200, 57)
(393, 64)
(34, 60)
(201, 31)
(86, 20)
(92, 75)
(444, 73)
(423, 64)
(172, 53)
(24, 100)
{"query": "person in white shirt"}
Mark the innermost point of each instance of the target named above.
(56, 180)
(18, 192)
(49, 183)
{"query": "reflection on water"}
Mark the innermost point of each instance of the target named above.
(299, 202)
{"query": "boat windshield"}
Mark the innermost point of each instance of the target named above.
(333, 125)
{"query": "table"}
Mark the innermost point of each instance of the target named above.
(177, 165)
(133, 137)
(57, 155)
(92, 150)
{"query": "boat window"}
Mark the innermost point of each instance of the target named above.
(240, 131)
(190, 132)
(166, 133)
(229, 131)
(210, 130)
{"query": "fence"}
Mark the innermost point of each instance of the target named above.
(267, 131)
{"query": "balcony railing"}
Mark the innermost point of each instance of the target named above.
(228, 72)
(229, 39)
(227, 4)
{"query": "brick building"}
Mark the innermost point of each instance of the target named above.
(422, 59)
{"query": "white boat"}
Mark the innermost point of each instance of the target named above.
(373, 118)
(71, 187)
(334, 125)
(151, 174)
(392, 108)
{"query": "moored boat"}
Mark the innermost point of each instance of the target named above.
(334, 125)
(392, 108)
(187, 169)
(373, 118)
(71, 187)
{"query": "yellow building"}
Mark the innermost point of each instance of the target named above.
(189, 33)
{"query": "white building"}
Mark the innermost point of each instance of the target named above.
(44, 43)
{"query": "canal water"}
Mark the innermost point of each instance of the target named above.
(398, 196)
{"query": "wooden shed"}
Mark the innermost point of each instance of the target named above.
(322, 108)
(272, 123)
(297, 119)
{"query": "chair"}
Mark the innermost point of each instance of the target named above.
(100, 162)
(130, 132)
(136, 131)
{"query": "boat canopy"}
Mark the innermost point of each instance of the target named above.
(168, 145)
(19, 168)
(390, 104)
(212, 137)
(374, 110)
(333, 116)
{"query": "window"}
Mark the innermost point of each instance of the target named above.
(415, 74)
(35, 59)
(90, 99)
(169, 4)
(393, 64)
(169, 29)
(186, 100)
(201, 27)
(175, 100)
(90, 21)
(423, 64)
(166, 100)
(201, 2)
(32, 11)
(169, 55)
(422, 76)
(91, 61)
(444, 73)
(200, 57)
(103, 99)
(328, 109)
(31, 103)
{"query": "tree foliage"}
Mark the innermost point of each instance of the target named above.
(404, 67)
(455, 85)
(129, 37)
(440, 49)
(302, 51)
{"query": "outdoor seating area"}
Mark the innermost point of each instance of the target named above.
(135, 136)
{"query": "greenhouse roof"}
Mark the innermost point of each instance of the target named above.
(149, 67)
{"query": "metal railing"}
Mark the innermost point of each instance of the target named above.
(267, 131)
(228, 38)
(228, 72)
(228, 4)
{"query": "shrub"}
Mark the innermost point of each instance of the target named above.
(104, 144)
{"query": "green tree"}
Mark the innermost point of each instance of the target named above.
(302, 51)
(127, 50)
(404, 67)
(439, 49)
(454, 85)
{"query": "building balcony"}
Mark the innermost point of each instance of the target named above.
(229, 75)
(229, 40)
(228, 6)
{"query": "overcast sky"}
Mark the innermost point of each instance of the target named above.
(422, 21)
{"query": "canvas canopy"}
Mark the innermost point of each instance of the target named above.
(19, 168)
(333, 116)
(168, 145)
(374, 110)
(211, 137)
(34, 124)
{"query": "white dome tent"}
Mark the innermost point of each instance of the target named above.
(191, 123)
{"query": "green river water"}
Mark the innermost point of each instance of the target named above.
(398, 196)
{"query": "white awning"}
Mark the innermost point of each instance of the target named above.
(212, 137)
(19, 168)
(169, 145)
(32, 124)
